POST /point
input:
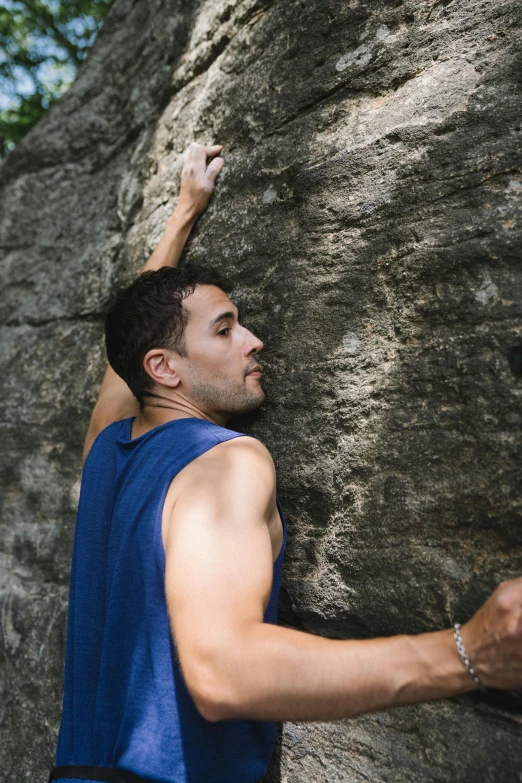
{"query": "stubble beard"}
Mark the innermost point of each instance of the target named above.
(224, 397)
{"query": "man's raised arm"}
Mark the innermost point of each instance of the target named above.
(115, 399)
(218, 581)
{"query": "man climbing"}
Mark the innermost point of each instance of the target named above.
(176, 669)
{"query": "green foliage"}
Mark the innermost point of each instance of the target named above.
(42, 45)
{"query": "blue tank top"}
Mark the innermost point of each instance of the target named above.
(125, 702)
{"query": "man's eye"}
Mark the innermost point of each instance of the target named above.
(224, 330)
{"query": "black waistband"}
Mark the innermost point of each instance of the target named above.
(107, 774)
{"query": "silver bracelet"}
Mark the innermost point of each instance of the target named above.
(463, 657)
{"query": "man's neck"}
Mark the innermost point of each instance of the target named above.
(159, 412)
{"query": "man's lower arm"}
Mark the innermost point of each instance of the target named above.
(286, 675)
(170, 247)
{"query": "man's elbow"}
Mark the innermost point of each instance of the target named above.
(211, 710)
(210, 698)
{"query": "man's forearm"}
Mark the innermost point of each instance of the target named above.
(170, 247)
(285, 675)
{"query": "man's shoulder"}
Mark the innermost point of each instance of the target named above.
(103, 440)
(238, 459)
(231, 478)
(239, 449)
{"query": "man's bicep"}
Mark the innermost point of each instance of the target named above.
(219, 567)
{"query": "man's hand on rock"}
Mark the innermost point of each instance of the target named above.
(493, 637)
(200, 169)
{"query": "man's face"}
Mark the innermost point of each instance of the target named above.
(217, 375)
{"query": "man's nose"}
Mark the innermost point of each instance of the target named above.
(254, 344)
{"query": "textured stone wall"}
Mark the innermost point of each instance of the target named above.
(370, 214)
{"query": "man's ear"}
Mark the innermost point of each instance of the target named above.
(162, 366)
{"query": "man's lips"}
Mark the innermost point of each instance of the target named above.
(256, 372)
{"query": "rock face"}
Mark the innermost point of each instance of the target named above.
(369, 213)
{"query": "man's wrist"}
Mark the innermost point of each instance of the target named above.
(438, 668)
(183, 218)
(170, 247)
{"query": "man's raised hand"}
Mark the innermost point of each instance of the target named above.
(200, 169)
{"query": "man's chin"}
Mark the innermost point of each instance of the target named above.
(256, 403)
(251, 404)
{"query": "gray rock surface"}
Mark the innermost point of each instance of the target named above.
(369, 213)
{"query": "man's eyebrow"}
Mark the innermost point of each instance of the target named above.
(222, 316)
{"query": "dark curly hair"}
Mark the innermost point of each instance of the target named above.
(150, 314)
